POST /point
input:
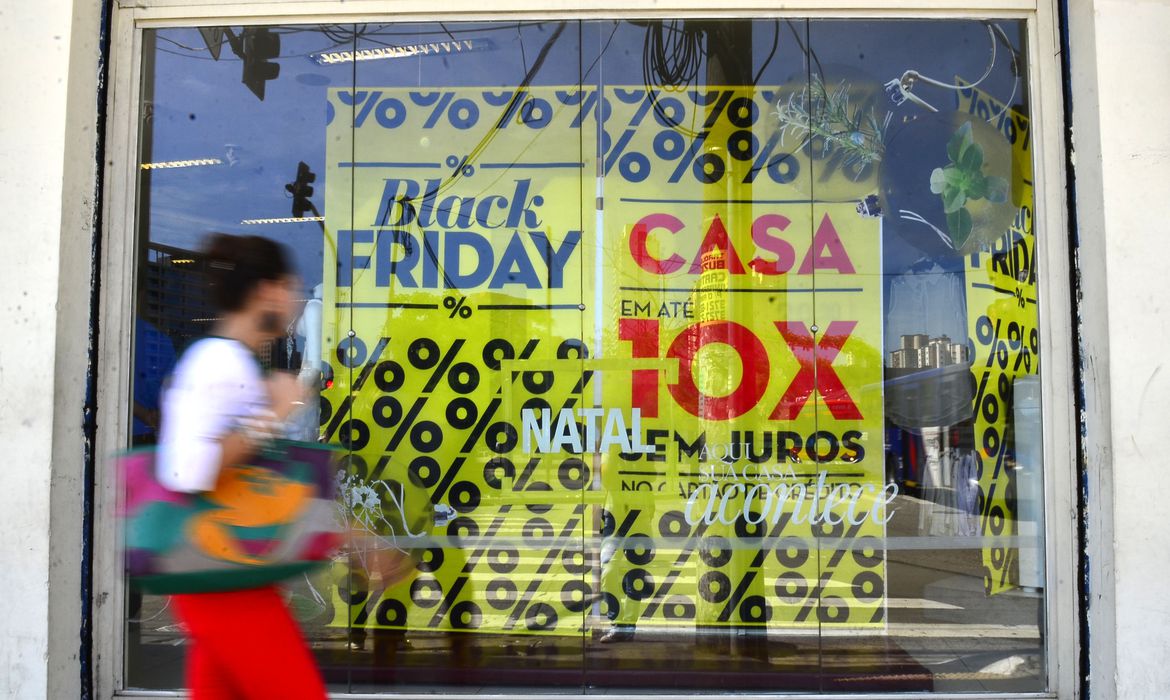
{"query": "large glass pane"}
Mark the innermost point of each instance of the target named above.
(929, 122)
(706, 225)
(468, 158)
(223, 133)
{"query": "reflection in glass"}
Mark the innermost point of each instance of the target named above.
(697, 355)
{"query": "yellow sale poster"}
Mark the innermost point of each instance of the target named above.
(601, 353)
(1003, 324)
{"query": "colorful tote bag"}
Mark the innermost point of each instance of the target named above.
(265, 521)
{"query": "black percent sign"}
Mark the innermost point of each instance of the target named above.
(457, 306)
(351, 352)
(539, 616)
(674, 524)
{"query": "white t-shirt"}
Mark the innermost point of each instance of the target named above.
(216, 383)
(931, 302)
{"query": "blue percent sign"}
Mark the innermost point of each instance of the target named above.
(670, 145)
(700, 155)
(589, 103)
(389, 112)
(460, 165)
(461, 113)
(782, 168)
(519, 106)
(633, 166)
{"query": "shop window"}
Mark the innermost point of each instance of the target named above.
(666, 355)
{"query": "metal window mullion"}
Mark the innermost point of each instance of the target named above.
(1050, 228)
(241, 15)
(118, 273)
(357, 8)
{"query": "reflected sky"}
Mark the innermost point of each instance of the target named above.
(201, 109)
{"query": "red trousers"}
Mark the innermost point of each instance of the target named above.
(245, 645)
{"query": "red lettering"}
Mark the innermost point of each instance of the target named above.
(785, 255)
(643, 336)
(826, 251)
(816, 371)
(642, 255)
(752, 383)
(717, 239)
(826, 239)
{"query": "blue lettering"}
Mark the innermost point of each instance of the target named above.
(455, 241)
(397, 209)
(515, 258)
(522, 207)
(557, 258)
(388, 266)
(430, 275)
(346, 264)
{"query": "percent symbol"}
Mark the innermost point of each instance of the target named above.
(448, 601)
(998, 348)
(353, 360)
(587, 99)
(985, 508)
(389, 112)
(706, 167)
(1005, 573)
(782, 168)
(507, 352)
(457, 306)
(521, 610)
(634, 166)
(424, 355)
(688, 548)
(461, 113)
(813, 601)
(460, 165)
(737, 596)
(843, 545)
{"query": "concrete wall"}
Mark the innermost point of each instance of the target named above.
(47, 125)
(1120, 56)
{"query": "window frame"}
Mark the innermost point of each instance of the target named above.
(118, 269)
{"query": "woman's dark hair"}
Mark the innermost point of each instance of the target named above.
(236, 264)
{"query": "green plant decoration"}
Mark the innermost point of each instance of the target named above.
(820, 112)
(963, 181)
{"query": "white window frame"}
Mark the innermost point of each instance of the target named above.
(118, 268)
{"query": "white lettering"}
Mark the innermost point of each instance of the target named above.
(839, 503)
(538, 428)
(615, 432)
(566, 435)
